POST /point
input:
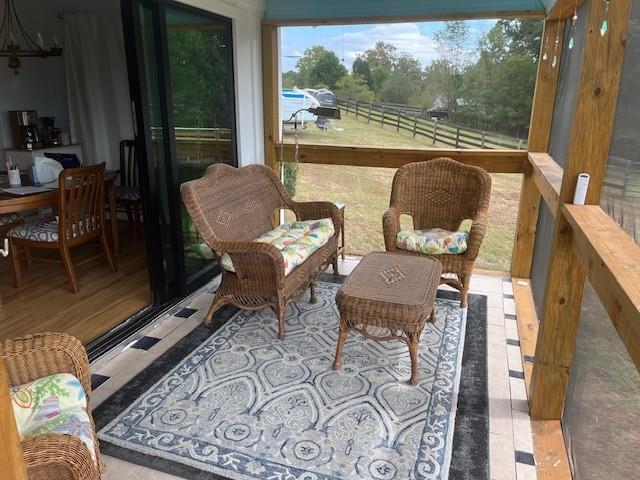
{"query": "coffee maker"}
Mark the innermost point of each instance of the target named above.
(24, 124)
(50, 134)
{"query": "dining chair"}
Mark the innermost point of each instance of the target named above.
(80, 220)
(128, 193)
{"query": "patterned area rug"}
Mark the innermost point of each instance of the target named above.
(243, 405)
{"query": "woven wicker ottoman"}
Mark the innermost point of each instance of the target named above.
(387, 297)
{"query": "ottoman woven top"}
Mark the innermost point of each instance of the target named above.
(393, 286)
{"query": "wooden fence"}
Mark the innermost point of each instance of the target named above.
(401, 117)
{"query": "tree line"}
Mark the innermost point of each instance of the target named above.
(490, 88)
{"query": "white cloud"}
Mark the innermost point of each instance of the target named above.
(406, 37)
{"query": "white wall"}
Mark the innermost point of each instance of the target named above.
(41, 85)
(247, 38)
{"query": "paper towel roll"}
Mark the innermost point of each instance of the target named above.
(581, 189)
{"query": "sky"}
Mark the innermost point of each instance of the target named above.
(349, 41)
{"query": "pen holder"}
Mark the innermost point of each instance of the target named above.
(14, 178)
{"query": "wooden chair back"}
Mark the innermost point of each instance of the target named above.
(129, 176)
(81, 203)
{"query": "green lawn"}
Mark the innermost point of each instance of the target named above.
(366, 190)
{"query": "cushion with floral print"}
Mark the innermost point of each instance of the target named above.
(435, 241)
(54, 404)
(296, 241)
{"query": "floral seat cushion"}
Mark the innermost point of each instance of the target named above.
(127, 192)
(435, 241)
(296, 241)
(9, 219)
(55, 404)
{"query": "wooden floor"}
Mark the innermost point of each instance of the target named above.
(46, 302)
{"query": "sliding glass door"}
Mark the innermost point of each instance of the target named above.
(181, 75)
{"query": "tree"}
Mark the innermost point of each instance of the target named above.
(354, 86)
(451, 43)
(380, 60)
(362, 69)
(404, 82)
(290, 79)
(319, 67)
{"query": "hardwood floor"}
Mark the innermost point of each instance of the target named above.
(46, 302)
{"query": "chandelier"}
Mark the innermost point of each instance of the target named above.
(12, 33)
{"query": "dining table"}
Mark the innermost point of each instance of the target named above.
(11, 203)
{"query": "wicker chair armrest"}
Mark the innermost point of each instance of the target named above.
(390, 227)
(43, 354)
(318, 210)
(254, 261)
(476, 235)
(49, 455)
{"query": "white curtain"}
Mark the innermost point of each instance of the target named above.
(97, 86)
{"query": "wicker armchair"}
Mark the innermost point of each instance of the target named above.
(440, 194)
(231, 207)
(28, 358)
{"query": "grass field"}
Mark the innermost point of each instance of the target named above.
(366, 190)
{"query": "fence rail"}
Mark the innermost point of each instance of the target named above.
(415, 121)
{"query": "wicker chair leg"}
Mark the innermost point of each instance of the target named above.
(312, 290)
(432, 317)
(342, 337)
(334, 262)
(280, 312)
(218, 302)
(464, 291)
(413, 340)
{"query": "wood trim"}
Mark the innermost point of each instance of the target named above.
(495, 161)
(527, 324)
(506, 14)
(588, 151)
(549, 450)
(611, 260)
(563, 9)
(270, 94)
(547, 176)
(11, 458)
(540, 131)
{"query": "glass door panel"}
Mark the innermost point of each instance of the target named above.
(201, 75)
(181, 76)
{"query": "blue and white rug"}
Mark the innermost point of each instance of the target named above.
(244, 405)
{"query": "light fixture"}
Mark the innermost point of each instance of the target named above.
(12, 32)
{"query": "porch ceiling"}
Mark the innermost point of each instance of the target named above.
(328, 11)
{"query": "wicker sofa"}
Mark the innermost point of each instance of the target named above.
(232, 207)
(52, 455)
(440, 195)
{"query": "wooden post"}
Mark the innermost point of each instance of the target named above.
(11, 459)
(484, 138)
(271, 95)
(457, 137)
(539, 134)
(435, 130)
(369, 112)
(415, 125)
(382, 116)
(357, 102)
(596, 100)
(398, 124)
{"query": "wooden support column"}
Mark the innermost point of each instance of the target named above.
(11, 461)
(588, 151)
(544, 100)
(270, 95)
